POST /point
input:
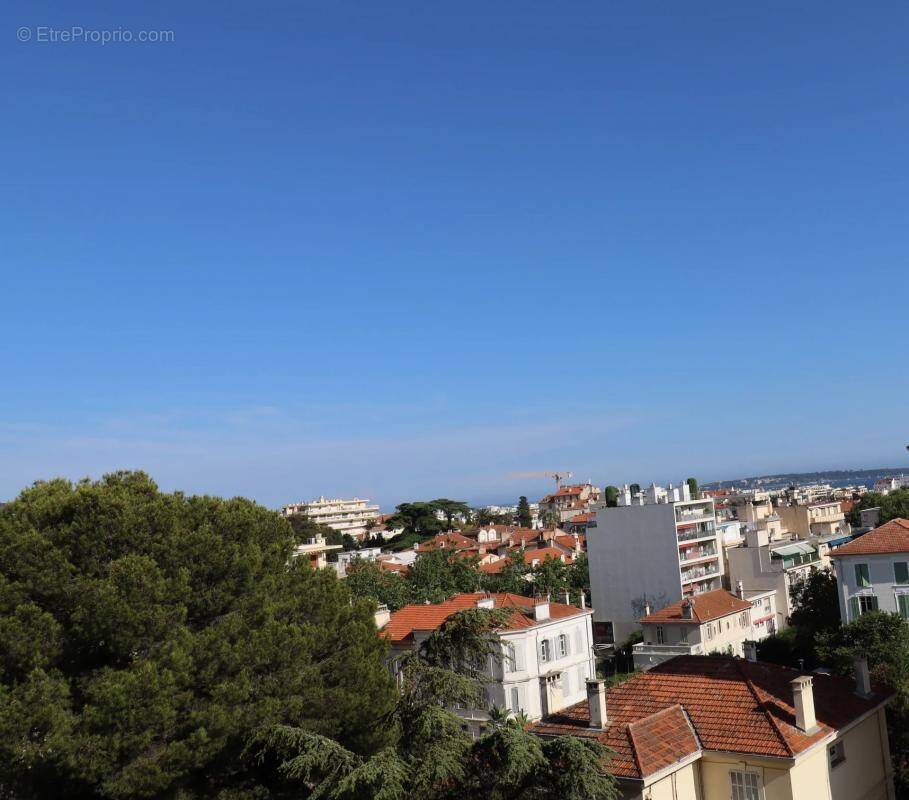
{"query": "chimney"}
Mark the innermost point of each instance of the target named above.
(688, 608)
(750, 650)
(862, 676)
(646, 608)
(382, 616)
(740, 589)
(566, 597)
(596, 703)
(583, 599)
(803, 700)
(486, 602)
(541, 608)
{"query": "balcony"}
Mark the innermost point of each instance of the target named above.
(647, 656)
(686, 515)
(699, 573)
(694, 553)
(701, 530)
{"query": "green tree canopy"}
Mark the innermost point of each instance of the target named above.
(816, 612)
(146, 637)
(893, 505)
(524, 517)
(451, 509)
(693, 488)
(611, 494)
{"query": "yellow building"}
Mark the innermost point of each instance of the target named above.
(715, 728)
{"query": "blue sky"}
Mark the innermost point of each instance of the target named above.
(408, 249)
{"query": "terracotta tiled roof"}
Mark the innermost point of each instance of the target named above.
(447, 541)
(392, 566)
(542, 553)
(581, 519)
(891, 537)
(707, 606)
(412, 618)
(569, 541)
(659, 717)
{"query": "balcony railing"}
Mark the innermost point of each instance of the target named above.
(694, 553)
(662, 649)
(695, 573)
(699, 531)
(693, 514)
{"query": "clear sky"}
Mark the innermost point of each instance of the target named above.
(404, 250)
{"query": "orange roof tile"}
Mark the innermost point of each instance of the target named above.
(706, 606)
(412, 618)
(659, 717)
(891, 537)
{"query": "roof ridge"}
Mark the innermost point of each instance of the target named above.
(762, 705)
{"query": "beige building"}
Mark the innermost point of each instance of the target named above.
(314, 550)
(712, 622)
(815, 519)
(568, 501)
(756, 510)
(715, 728)
(343, 515)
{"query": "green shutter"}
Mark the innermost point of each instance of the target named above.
(862, 577)
(902, 601)
(854, 612)
(901, 572)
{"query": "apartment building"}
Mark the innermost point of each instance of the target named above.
(756, 510)
(315, 550)
(872, 572)
(723, 728)
(545, 652)
(712, 622)
(760, 565)
(568, 501)
(662, 547)
(891, 484)
(343, 515)
(814, 519)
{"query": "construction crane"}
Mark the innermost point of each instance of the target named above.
(559, 477)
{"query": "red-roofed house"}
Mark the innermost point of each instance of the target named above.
(715, 728)
(711, 622)
(568, 501)
(872, 571)
(546, 650)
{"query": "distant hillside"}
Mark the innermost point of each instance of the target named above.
(835, 477)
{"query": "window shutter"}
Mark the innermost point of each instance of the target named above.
(903, 603)
(901, 572)
(519, 656)
(578, 643)
(854, 612)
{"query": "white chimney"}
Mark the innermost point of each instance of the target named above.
(596, 703)
(750, 650)
(646, 608)
(583, 599)
(803, 700)
(566, 597)
(740, 589)
(382, 616)
(688, 608)
(486, 602)
(541, 609)
(862, 676)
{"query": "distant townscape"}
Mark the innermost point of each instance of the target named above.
(678, 641)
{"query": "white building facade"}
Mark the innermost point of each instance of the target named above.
(652, 552)
(872, 572)
(350, 516)
(544, 658)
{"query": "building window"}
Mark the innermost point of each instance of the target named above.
(862, 575)
(509, 659)
(516, 699)
(563, 645)
(901, 572)
(902, 604)
(545, 650)
(659, 634)
(836, 753)
(683, 635)
(744, 619)
(861, 604)
(766, 605)
(709, 633)
(745, 785)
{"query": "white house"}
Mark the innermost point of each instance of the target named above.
(872, 571)
(712, 622)
(545, 656)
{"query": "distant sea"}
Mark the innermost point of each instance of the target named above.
(835, 477)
